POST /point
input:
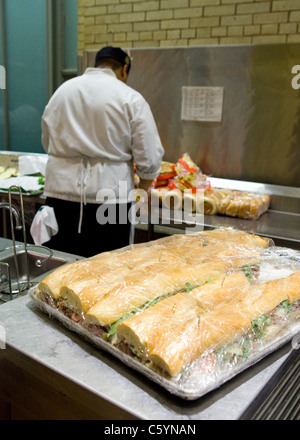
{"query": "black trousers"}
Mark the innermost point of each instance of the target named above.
(94, 237)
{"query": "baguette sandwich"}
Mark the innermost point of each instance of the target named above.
(214, 261)
(135, 292)
(185, 307)
(101, 290)
(173, 348)
(89, 271)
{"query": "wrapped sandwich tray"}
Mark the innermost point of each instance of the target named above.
(212, 369)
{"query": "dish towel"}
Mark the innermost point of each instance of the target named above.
(44, 225)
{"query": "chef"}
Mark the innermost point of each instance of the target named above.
(94, 129)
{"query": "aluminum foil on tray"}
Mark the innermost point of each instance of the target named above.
(188, 311)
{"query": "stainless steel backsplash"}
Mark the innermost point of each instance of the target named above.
(258, 138)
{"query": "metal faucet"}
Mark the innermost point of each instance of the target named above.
(20, 224)
(15, 213)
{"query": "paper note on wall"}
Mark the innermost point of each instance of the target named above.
(202, 104)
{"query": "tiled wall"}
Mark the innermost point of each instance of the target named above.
(162, 23)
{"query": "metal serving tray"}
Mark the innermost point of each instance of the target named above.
(279, 262)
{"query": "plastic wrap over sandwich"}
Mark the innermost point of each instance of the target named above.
(177, 301)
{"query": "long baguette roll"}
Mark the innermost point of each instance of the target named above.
(231, 246)
(53, 282)
(161, 279)
(266, 296)
(176, 349)
(84, 290)
(99, 264)
(225, 322)
(80, 296)
(76, 271)
(135, 292)
(235, 250)
(213, 293)
(88, 270)
(223, 236)
(177, 310)
(138, 330)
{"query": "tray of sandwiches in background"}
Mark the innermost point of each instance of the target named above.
(187, 311)
(184, 186)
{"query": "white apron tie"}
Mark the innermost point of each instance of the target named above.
(83, 176)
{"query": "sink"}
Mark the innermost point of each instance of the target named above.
(38, 265)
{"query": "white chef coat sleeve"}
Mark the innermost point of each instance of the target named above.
(45, 134)
(147, 149)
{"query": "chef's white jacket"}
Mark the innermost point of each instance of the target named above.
(94, 128)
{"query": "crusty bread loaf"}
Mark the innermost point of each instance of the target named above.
(81, 295)
(85, 282)
(53, 282)
(204, 298)
(244, 204)
(181, 311)
(174, 350)
(215, 292)
(138, 330)
(264, 297)
(173, 347)
(212, 200)
(136, 291)
(158, 279)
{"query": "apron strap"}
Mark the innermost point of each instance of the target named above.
(83, 176)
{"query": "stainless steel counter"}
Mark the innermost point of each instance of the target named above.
(30, 332)
(282, 227)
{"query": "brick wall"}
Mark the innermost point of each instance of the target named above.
(161, 23)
